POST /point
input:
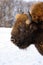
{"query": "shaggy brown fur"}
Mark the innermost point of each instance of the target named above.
(37, 16)
(28, 30)
(37, 12)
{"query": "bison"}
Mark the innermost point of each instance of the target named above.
(28, 28)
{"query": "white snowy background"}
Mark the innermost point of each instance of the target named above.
(12, 55)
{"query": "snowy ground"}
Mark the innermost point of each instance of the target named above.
(12, 55)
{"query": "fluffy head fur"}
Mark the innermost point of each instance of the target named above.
(37, 12)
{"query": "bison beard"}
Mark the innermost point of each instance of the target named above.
(27, 31)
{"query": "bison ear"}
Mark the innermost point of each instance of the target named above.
(39, 48)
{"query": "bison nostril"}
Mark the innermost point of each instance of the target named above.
(12, 38)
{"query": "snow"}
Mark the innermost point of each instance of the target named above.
(12, 55)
